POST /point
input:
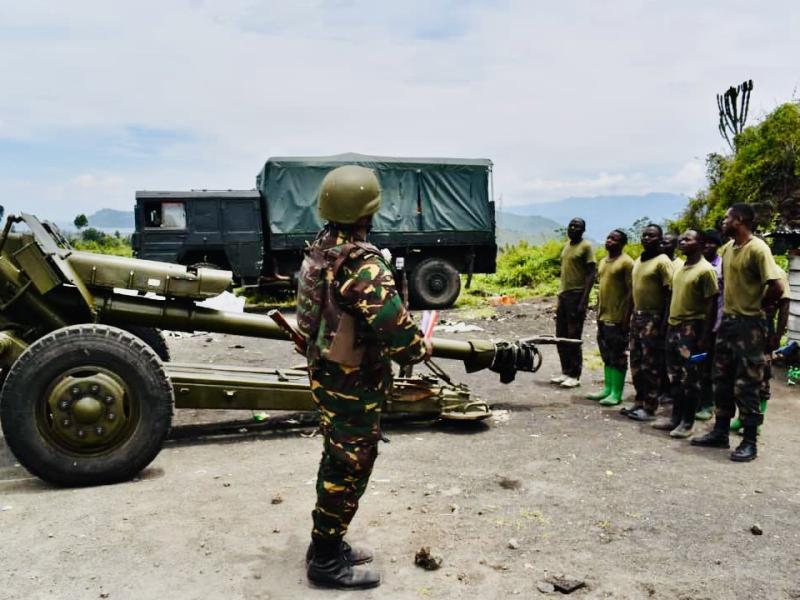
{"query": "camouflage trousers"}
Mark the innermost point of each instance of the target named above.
(707, 395)
(686, 378)
(647, 358)
(349, 402)
(613, 343)
(569, 324)
(739, 368)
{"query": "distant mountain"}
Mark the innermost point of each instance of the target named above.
(604, 213)
(108, 218)
(513, 228)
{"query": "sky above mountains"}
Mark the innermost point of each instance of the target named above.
(568, 99)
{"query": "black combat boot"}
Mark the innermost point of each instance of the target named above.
(746, 451)
(717, 437)
(355, 555)
(329, 568)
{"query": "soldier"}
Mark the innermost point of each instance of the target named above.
(349, 309)
(748, 268)
(669, 244)
(711, 247)
(652, 278)
(692, 313)
(613, 317)
(577, 277)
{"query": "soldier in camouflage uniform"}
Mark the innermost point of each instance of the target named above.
(652, 278)
(752, 280)
(692, 313)
(355, 324)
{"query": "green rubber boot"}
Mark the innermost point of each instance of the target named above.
(606, 389)
(617, 383)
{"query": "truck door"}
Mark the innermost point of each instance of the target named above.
(162, 229)
(241, 231)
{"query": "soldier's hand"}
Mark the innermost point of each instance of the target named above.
(428, 349)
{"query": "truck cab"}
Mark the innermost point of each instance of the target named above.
(220, 229)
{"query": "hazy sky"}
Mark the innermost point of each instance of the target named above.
(100, 99)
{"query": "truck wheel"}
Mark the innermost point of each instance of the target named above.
(86, 405)
(434, 284)
(152, 337)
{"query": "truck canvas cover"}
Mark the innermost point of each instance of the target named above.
(418, 194)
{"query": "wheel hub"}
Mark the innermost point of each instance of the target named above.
(87, 409)
(437, 284)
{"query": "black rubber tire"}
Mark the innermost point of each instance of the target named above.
(434, 283)
(152, 337)
(72, 347)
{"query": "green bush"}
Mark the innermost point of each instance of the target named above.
(94, 240)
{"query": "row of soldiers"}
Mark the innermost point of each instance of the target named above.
(698, 331)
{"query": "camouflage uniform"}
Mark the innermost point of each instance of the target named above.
(349, 393)
(613, 343)
(739, 367)
(686, 378)
(647, 358)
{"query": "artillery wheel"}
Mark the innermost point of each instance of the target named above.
(86, 405)
(152, 337)
(434, 284)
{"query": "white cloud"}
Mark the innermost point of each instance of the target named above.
(567, 99)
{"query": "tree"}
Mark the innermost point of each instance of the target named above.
(733, 107)
(763, 171)
(81, 221)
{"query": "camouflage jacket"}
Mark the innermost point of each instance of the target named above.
(363, 320)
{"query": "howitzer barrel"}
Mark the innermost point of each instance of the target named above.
(118, 309)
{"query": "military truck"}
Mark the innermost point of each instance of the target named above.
(437, 218)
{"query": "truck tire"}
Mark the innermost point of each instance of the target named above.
(434, 283)
(152, 337)
(86, 405)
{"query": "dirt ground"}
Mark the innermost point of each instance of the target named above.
(552, 485)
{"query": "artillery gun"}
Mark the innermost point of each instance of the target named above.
(88, 389)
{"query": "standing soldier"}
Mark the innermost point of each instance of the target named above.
(613, 317)
(577, 277)
(692, 313)
(711, 247)
(652, 278)
(355, 323)
(748, 267)
(669, 244)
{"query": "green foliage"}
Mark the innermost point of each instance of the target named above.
(94, 240)
(80, 221)
(764, 171)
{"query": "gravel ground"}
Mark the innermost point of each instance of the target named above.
(551, 485)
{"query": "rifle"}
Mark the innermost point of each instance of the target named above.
(300, 344)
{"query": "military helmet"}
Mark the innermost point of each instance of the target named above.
(348, 193)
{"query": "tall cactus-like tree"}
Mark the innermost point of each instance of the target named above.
(733, 106)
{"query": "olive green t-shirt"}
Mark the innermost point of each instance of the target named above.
(615, 277)
(746, 271)
(650, 277)
(692, 286)
(575, 261)
(677, 263)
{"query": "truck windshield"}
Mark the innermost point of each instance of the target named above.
(165, 215)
